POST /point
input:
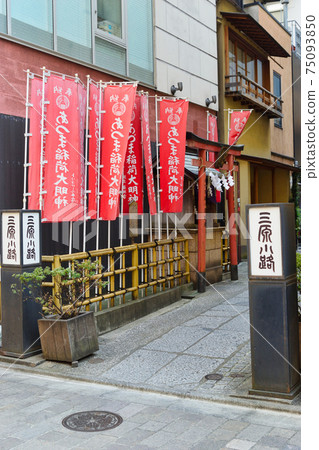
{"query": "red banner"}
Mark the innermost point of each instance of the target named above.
(35, 144)
(148, 154)
(213, 134)
(212, 128)
(238, 120)
(133, 171)
(118, 106)
(64, 153)
(82, 99)
(173, 116)
(93, 150)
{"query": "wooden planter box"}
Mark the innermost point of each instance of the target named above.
(68, 340)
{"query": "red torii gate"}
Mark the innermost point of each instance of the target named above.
(224, 155)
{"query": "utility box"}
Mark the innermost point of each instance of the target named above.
(273, 303)
(20, 252)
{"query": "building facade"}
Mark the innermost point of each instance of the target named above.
(255, 73)
(160, 44)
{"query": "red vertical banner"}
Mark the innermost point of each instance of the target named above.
(212, 133)
(212, 128)
(173, 116)
(238, 120)
(94, 132)
(35, 144)
(148, 154)
(64, 153)
(133, 171)
(118, 106)
(82, 99)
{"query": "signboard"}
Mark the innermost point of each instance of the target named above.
(10, 226)
(265, 241)
(20, 238)
(31, 238)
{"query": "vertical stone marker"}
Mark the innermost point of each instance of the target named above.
(20, 252)
(273, 302)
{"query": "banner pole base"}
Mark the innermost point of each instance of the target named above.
(201, 282)
(234, 273)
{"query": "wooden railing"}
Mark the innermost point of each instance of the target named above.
(133, 270)
(240, 85)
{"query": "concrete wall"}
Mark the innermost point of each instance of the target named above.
(186, 48)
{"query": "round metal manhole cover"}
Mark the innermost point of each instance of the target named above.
(214, 376)
(92, 421)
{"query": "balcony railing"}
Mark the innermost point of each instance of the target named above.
(250, 93)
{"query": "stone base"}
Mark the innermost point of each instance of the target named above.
(287, 395)
(118, 316)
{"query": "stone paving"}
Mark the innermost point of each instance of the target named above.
(171, 351)
(32, 408)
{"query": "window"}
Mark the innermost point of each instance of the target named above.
(110, 18)
(3, 24)
(277, 93)
(140, 44)
(243, 60)
(31, 21)
(73, 28)
(114, 35)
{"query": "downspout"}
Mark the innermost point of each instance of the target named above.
(285, 5)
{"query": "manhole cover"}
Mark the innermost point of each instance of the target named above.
(92, 421)
(236, 375)
(214, 376)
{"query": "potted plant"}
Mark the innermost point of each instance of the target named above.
(67, 333)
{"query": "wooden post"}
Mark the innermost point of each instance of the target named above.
(135, 273)
(232, 227)
(201, 276)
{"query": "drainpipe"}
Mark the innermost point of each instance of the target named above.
(285, 5)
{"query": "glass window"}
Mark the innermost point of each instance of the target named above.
(241, 63)
(232, 59)
(140, 44)
(259, 77)
(31, 20)
(109, 17)
(277, 93)
(73, 28)
(3, 12)
(251, 67)
(259, 72)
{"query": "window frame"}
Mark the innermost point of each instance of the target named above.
(277, 120)
(96, 34)
(122, 42)
(238, 42)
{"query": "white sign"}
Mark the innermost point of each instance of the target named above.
(265, 241)
(11, 238)
(30, 238)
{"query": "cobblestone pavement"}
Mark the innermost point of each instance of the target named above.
(32, 408)
(171, 351)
